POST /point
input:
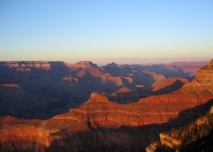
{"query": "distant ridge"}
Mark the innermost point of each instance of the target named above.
(84, 64)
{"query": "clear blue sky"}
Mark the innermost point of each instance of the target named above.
(106, 30)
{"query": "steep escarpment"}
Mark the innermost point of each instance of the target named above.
(26, 65)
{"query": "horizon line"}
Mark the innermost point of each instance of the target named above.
(122, 61)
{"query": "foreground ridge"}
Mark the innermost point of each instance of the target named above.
(196, 136)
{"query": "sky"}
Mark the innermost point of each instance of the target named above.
(106, 30)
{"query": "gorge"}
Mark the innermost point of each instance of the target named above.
(150, 100)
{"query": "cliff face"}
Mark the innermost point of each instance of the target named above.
(27, 66)
(204, 75)
(196, 136)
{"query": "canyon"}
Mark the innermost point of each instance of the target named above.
(43, 89)
(126, 108)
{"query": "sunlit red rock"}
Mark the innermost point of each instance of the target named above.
(100, 124)
(10, 86)
(161, 84)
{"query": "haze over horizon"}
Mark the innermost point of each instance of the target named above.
(106, 31)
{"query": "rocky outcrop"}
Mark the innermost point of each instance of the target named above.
(124, 95)
(117, 70)
(204, 75)
(123, 90)
(169, 84)
(191, 137)
(84, 64)
(86, 67)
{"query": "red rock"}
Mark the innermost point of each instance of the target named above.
(10, 86)
(101, 124)
(161, 84)
(190, 67)
(123, 90)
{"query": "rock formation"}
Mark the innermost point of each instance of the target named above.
(189, 67)
(169, 82)
(175, 69)
(61, 86)
(103, 125)
(196, 136)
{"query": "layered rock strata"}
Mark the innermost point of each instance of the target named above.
(102, 125)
